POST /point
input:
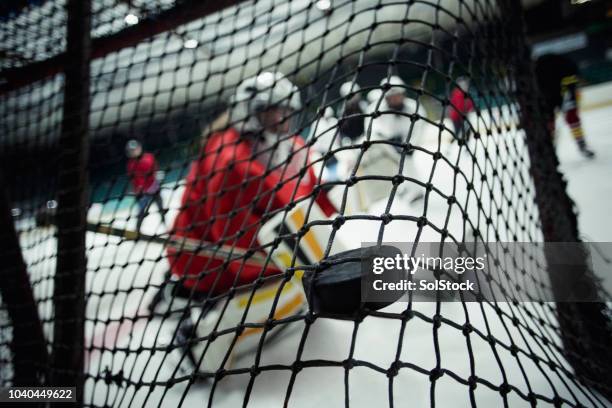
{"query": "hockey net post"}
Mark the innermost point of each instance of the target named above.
(582, 325)
(68, 354)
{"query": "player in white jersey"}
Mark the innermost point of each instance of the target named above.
(395, 108)
(390, 119)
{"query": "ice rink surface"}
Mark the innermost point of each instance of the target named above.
(122, 276)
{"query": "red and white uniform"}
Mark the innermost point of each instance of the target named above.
(141, 171)
(228, 190)
(461, 105)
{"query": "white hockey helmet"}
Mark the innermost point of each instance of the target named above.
(374, 95)
(133, 148)
(261, 92)
(396, 85)
(463, 82)
(348, 88)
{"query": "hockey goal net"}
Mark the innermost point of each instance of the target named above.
(418, 121)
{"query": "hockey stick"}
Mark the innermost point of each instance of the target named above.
(333, 290)
(194, 246)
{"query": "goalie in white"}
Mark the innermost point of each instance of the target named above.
(395, 119)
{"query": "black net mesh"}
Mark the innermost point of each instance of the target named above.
(6, 372)
(391, 121)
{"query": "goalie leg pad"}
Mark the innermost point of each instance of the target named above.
(297, 246)
(233, 327)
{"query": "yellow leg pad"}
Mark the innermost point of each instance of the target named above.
(288, 309)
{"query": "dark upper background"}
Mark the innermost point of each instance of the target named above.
(582, 30)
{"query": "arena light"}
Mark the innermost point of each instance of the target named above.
(190, 43)
(324, 5)
(131, 19)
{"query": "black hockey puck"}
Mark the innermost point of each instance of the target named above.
(336, 289)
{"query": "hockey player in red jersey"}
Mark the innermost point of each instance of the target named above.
(460, 105)
(141, 168)
(246, 173)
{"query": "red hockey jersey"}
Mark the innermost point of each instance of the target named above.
(461, 104)
(226, 194)
(141, 172)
